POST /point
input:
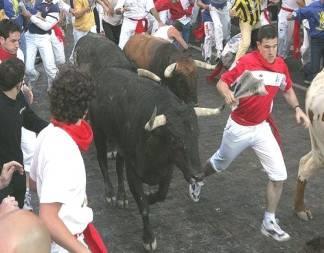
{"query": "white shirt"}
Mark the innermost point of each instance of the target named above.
(291, 4)
(114, 19)
(59, 173)
(136, 9)
(162, 33)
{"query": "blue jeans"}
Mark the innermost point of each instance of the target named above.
(317, 53)
(186, 31)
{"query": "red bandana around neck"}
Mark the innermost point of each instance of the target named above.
(82, 134)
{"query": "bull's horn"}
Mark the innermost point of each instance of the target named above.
(169, 70)
(204, 65)
(148, 74)
(208, 111)
(155, 121)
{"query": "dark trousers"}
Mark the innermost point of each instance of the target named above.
(112, 32)
(317, 53)
(16, 188)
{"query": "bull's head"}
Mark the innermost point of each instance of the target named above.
(182, 78)
(180, 136)
(177, 135)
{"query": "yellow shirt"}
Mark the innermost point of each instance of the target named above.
(247, 10)
(86, 21)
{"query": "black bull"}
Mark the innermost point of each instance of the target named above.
(123, 106)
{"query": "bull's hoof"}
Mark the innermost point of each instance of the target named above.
(150, 246)
(305, 215)
(111, 200)
(122, 203)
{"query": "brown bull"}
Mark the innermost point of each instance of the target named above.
(176, 69)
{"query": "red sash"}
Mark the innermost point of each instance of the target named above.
(58, 33)
(275, 130)
(94, 240)
(140, 28)
(296, 37)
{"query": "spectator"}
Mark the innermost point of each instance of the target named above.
(9, 37)
(181, 10)
(58, 161)
(135, 17)
(248, 12)
(111, 21)
(38, 37)
(286, 27)
(84, 21)
(14, 113)
(12, 11)
(314, 14)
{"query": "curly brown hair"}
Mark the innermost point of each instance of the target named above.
(70, 94)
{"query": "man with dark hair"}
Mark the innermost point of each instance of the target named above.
(9, 40)
(250, 123)
(9, 48)
(58, 161)
(14, 113)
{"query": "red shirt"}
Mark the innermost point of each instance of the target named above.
(255, 109)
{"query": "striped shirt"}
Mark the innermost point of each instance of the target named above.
(248, 10)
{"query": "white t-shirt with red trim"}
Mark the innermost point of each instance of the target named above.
(255, 109)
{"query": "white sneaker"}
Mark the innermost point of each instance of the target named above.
(194, 190)
(27, 202)
(272, 229)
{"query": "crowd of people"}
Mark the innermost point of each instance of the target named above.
(32, 27)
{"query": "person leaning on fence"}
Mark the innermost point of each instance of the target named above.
(250, 123)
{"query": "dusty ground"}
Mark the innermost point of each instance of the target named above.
(228, 217)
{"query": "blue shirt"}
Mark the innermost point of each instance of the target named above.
(45, 9)
(314, 13)
(205, 15)
(219, 4)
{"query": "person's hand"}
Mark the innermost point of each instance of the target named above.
(28, 94)
(302, 118)
(229, 98)
(7, 170)
(7, 205)
(289, 16)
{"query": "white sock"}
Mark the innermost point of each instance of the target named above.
(269, 216)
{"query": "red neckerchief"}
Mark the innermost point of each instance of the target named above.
(81, 134)
(5, 55)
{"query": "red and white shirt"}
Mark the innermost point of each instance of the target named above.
(255, 109)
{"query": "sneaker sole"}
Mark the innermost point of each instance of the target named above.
(267, 234)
